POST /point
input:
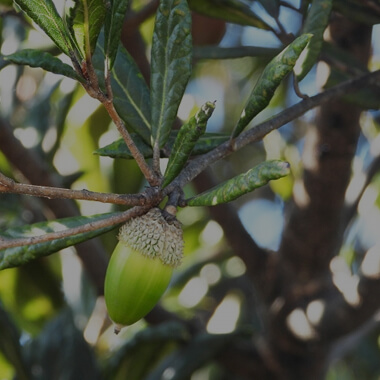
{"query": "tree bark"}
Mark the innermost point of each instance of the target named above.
(313, 233)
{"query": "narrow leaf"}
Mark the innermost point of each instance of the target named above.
(316, 22)
(113, 26)
(130, 91)
(229, 10)
(44, 60)
(85, 22)
(276, 70)
(186, 139)
(13, 257)
(171, 65)
(45, 15)
(242, 184)
(118, 149)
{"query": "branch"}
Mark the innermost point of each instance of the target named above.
(92, 226)
(257, 133)
(34, 169)
(149, 174)
(93, 89)
(8, 185)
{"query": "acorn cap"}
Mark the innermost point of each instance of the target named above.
(154, 236)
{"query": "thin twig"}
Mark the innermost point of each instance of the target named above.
(297, 89)
(140, 160)
(88, 227)
(8, 185)
(290, 6)
(93, 89)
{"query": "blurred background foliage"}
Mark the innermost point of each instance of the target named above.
(50, 314)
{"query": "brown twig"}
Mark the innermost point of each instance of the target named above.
(92, 226)
(297, 89)
(8, 185)
(140, 160)
(93, 89)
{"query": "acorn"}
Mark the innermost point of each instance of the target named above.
(149, 248)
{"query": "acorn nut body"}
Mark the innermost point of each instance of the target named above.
(140, 268)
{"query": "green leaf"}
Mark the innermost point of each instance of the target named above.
(130, 91)
(85, 22)
(171, 65)
(186, 139)
(16, 256)
(207, 142)
(233, 11)
(46, 61)
(276, 70)
(118, 149)
(316, 22)
(242, 184)
(113, 26)
(45, 15)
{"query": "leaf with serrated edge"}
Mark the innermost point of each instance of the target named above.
(46, 61)
(276, 70)
(242, 184)
(171, 65)
(112, 29)
(130, 91)
(85, 22)
(186, 139)
(16, 256)
(45, 15)
(316, 22)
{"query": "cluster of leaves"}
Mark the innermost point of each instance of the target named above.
(106, 70)
(89, 36)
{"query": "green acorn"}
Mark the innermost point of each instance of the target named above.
(141, 266)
